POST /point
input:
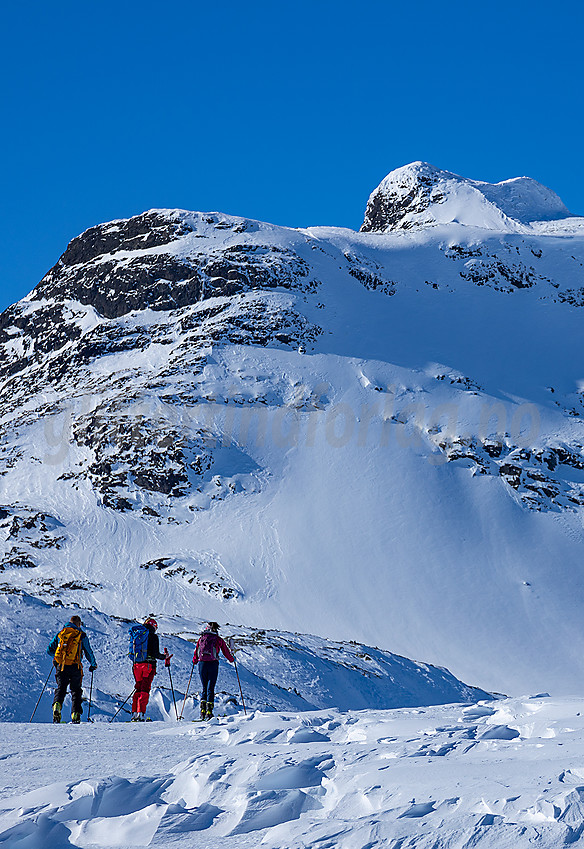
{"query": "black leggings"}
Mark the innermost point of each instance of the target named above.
(208, 670)
(70, 676)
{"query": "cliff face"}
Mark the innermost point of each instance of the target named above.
(153, 261)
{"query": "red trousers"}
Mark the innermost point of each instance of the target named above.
(143, 674)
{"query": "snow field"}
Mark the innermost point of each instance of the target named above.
(490, 774)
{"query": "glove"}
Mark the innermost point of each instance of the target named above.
(93, 668)
(167, 657)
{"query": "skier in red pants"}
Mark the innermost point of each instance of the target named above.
(145, 651)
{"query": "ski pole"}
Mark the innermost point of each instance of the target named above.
(121, 706)
(239, 682)
(187, 692)
(41, 695)
(172, 691)
(237, 673)
(90, 694)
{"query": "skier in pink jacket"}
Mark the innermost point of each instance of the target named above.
(206, 655)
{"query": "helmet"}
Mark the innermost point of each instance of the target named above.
(151, 621)
(213, 626)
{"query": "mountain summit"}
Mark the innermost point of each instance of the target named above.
(420, 195)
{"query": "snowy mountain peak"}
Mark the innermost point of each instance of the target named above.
(419, 194)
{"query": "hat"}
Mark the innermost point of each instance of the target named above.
(76, 620)
(213, 626)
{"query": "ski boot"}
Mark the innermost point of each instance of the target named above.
(203, 709)
(75, 718)
(57, 712)
(209, 711)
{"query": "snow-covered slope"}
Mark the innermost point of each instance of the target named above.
(367, 436)
(492, 776)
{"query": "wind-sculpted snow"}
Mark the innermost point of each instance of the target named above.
(503, 774)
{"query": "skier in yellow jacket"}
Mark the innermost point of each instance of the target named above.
(66, 649)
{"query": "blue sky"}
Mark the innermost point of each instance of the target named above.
(285, 112)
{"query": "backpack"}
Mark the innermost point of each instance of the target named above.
(208, 646)
(138, 635)
(69, 647)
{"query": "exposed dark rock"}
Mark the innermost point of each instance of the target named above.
(511, 474)
(494, 270)
(575, 297)
(149, 230)
(386, 208)
(45, 330)
(461, 252)
(369, 274)
(172, 568)
(90, 272)
(22, 531)
(525, 471)
(492, 447)
(17, 559)
(460, 380)
(114, 288)
(206, 295)
(499, 269)
(137, 456)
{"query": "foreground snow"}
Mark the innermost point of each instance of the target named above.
(497, 774)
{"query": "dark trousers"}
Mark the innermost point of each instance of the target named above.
(208, 671)
(70, 676)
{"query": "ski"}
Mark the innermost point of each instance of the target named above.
(216, 716)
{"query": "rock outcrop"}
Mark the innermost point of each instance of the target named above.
(419, 195)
